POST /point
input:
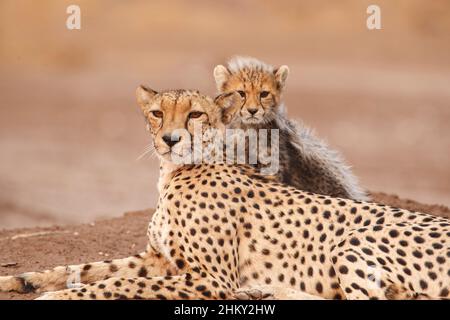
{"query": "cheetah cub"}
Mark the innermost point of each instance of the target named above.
(306, 162)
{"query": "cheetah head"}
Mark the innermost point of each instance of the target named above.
(178, 119)
(259, 85)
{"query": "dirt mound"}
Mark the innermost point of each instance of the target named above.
(395, 201)
(35, 249)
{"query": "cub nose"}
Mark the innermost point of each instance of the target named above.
(252, 111)
(171, 141)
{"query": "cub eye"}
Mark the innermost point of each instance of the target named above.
(264, 94)
(157, 114)
(195, 114)
(242, 93)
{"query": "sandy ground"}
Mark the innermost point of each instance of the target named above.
(35, 249)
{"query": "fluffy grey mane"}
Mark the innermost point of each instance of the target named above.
(315, 149)
(237, 63)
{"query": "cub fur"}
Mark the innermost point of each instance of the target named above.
(306, 162)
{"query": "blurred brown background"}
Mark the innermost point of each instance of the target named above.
(70, 131)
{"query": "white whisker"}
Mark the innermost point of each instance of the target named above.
(148, 149)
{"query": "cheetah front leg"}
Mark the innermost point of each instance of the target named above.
(184, 286)
(141, 265)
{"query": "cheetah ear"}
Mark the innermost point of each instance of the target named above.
(281, 75)
(221, 75)
(229, 103)
(144, 95)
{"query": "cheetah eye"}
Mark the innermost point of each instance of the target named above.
(157, 114)
(264, 94)
(195, 114)
(242, 93)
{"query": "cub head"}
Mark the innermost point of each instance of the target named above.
(176, 117)
(259, 85)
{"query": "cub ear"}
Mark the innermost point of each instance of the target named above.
(221, 75)
(230, 103)
(281, 75)
(144, 95)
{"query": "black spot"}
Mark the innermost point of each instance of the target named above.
(142, 272)
(319, 287)
(343, 269)
(360, 273)
(423, 284)
(444, 293)
(419, 239)
(354, 241)
(393, 233)
(113, 268)
(87, 267)
(179, 263)
(200, 288)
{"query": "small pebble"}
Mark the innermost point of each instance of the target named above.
(9, 264)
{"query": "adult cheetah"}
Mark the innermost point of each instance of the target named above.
(221, 228)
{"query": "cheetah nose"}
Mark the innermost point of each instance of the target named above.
(252, 111)
(171, 141)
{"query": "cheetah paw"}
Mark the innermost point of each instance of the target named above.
(252, 294)
(272, 293)
(52, 295)
(16, 283)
